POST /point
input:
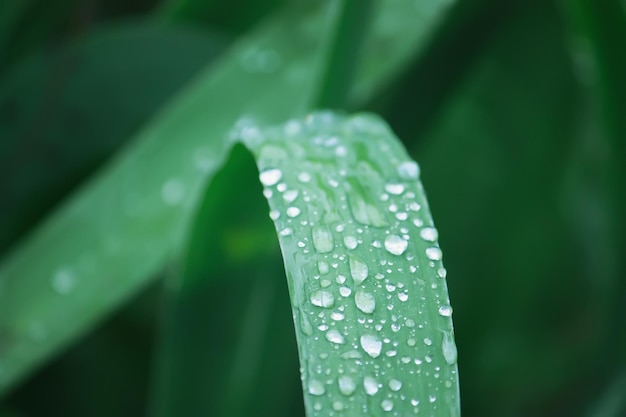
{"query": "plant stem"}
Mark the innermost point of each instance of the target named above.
(344, 54)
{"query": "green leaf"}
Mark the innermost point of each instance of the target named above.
(367, 286)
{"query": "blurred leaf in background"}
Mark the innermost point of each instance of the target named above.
(513, 113)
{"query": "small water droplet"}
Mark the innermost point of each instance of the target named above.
(346, 385)
(371, 385)
(290, 196)
(394, 188)
(345, 291)
(322, 298)
(172, 192)
(386, 405)
(337, 405)
(270, 177)
(321, 265)
(293, 211)
(434, 254)
(402, 296)
(395, 385)
(442, 273)
(409, 170)
(350, 242)
(445, 310)
(358, 270)
(427, 341)
(365, 302)
(274, 214)
(334, 336)
(395, 244)
(304, 177)
(429, 234)
(432, 398)
(316, 387)
(305, 325)
(322, 239)
(372, 345)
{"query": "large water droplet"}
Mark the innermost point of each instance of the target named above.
(409, 170)
(434, 254)
(365, 302)
(395, 244)
(323, 298)
(448, 348)
(293, 211)
(429, 234)
(322, 239)
(350, 242)
(270, 177)
(346, 385)
(358, 270)
(371, 385)
(445, 310)
(335, 337)
(316, 387)
(372, 345)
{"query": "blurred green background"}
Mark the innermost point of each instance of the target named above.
(516, 113)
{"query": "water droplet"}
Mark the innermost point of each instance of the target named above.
(409, 170)
(395, 385)
(274, 214)
(323, 298)
(290, 196)
(350, 242)
(323, 239)
(394, 188)
(371, 385)
(316, 387)
(172, 192)
(337, 315)
(448, 348)
(337, 405)
(321, 265)
(63, 281)
(346, 385)
(434, 254)
(402, 296)
(286, 231)
(445, 310)
(442, 273)
(293, 211)
(358, 270)
(386, 405)
(345, 291)
(270, 177)
(372, 345)
(305, 325)
(304, 177)
(432, 398)
(395, 244)
(427, 341)
(365, 302)
(429, 234)
(335, 337)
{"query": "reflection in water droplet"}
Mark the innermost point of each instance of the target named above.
(346, 385)
(335, 337)
(365, 302)
(429, 234)
(270, 177)
(316, 387)
(395, 244)
(371, 344)
(358, 270)
(408, 170)
(323, 298)
(370, 385)
(434, 254)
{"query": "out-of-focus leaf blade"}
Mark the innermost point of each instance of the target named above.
(367, 286)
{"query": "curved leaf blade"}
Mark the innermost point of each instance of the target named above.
(368, 290)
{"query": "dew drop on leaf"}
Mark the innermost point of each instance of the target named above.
(358, 270)
(270, 177)
(365, 302)
(395, 244)
(334, 336)
(370, 385)
(323, 298)
(445, 310)
(322, 240)
(409, 170)
(372, 345)
(316, 387)
(434, 254)
(346, 385)
(429, 234)
(386, 405)
(395, 385)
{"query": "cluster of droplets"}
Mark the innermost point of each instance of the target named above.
(366, 265)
